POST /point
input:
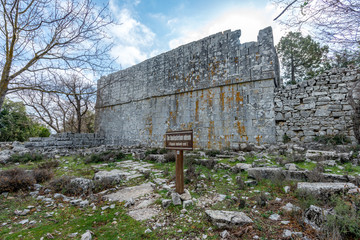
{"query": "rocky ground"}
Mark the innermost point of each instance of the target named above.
(257, 192)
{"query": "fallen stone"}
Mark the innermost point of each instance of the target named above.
(130, 192)
(84, 203)
(224, 234)
(287, 189)
(239, 167)
(315, 216)
(291, 166)
(112, 176)
(165, 203)
(264, 172)
(129, 202)
(148, 230)
(251, 183)
(87, 235)
(318, 155)
(176, 198)
(187, 203)
(159, 158)
(24, 221)
(324, 190)
(143, 213)
(227, 218)
(274, 217)
(186, 195)
(21, 213)
(289, 207)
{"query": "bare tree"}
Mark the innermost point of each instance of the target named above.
(45, 36)
(68, 107)
(332, 21)
(354, 100)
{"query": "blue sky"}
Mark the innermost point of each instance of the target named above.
(150, 27)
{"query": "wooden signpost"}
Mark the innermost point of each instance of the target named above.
(179, 141)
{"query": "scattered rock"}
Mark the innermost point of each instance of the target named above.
(324, 190)
(187, 203)
(287, 189)
(87, 235)
(112, 176)
(148, 230)
(289, 207)
(176, 198)
(130, 192)
(224, 234)
(274, 217)
(165, 203)
(186, 195)
(291, 166)
(228, 218)
(83, 183)
(315, 216)
(143, 213)
(84, 203)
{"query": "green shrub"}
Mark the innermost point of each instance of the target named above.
(212, 153)
(345, 221)
(109, 156)
(286, 138)
(26, 157)
(170, 157)
(163, 151)
(338, 139)
(151, 151)
(49, 164)
(15, 179)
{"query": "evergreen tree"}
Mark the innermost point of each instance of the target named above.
(301, 57)
(16, 125)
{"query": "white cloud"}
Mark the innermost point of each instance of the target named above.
(131, 37)
(249, 19)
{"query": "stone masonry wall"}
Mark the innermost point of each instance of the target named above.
(218, 87)
(66, 140)
(316, 107)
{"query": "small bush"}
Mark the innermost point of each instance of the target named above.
(191, 174)
(261, 200)
(42, 175)
(60, 184)
(190, 161)
(212, 153)
(170, 157)
(166, 172)
(240, 183)
(163, 151)
(316, 175)
(344, 224)
(26, 157)
(15, 179)
(338, 139)
(151, 151)
(286, 138)
(49, 164)
(101, 185)
(109, 156)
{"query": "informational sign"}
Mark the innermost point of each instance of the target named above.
(179, 140)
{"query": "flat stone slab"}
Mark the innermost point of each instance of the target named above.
(324, 188)
(228, 218)
(144, 213)
(113, 175)
(263, 172)
(130, 192)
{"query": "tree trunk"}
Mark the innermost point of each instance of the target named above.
(78, 112)
(2, 99)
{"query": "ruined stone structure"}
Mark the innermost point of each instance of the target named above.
(218, 87)
(316, 107)
(227, 92)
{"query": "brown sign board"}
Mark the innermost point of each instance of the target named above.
(179, 140)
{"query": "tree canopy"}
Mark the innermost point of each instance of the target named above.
(336, 22)
(300, 57)
(16, 125)
(47, 37)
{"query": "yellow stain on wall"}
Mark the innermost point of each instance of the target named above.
(239, 98)
(258, 139)
(197, 110)
(240, 128)
(210, 134)
(222, 98)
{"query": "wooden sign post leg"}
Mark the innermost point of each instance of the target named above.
(179, 171)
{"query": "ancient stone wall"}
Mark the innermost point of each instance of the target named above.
(316, 107)
(66, 140)
(218, 87)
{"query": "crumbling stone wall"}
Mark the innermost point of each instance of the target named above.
(218, 87)
(316, 107)
(66, 140)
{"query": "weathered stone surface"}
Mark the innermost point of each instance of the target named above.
(324, 189)
(186, 195)
(113, 175)
(143, 213)
(176, 198)
(315, 216)
(218, 63)
(227, 218)
(241, 167)
(130, 192)
(266, 173)
(86, 236)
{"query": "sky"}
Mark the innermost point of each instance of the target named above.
(149, 27)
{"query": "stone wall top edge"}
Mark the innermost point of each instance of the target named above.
(261, 34)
